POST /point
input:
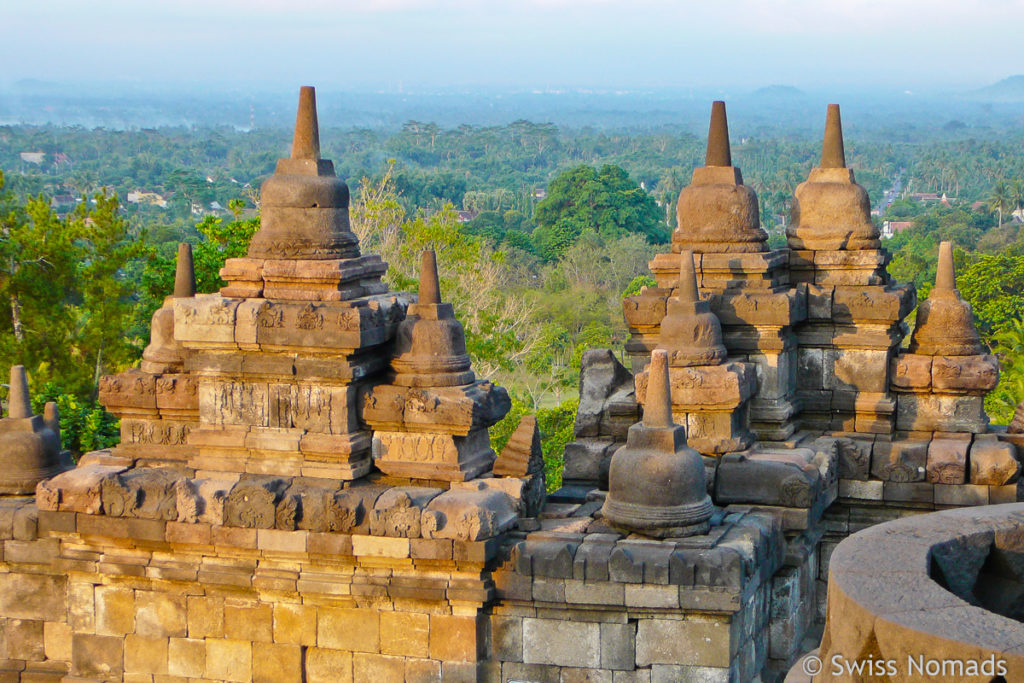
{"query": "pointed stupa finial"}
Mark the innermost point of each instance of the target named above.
(687, 278)
(184, 274)
(718, 153)
(19, 404)
(658, 407)
(430, 289)
(945, 275)
(51, 417)
(832, 153)
(306, 143)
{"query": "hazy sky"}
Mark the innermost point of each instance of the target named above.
(904, 44)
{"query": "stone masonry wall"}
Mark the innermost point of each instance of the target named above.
(110, 599)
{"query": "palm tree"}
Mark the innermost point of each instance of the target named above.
(1000, 200)
(1017, 194)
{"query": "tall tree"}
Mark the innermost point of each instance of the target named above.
(1000, 200)
(605, 201)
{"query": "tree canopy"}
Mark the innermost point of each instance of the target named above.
(605, 201)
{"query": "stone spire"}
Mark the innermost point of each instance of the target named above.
(19, 403)
(690, 333)
(164, 353)
(184, 274)
(304, 206)
(430, 287)
(306, 142)
(29, 444)
(945, 323)
(717, 212)
(430, 346)
(832, 153)
(832, 212)
(718, 152)
(656, 484)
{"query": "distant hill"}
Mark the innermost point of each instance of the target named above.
(1007, 90)
(778, 91)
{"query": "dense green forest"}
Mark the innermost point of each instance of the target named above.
(539, 229)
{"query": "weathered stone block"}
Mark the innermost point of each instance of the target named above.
(276, 663)
(380, 546)
(374, 667)
(57, 640)
(348, 629)
(967, 374)
(911, 371)
(783, 478)
(561, 643)
(205, 616)
(618, 646)
(397, 511)
(455, 410)
(947, 461)
(691, 641)
(405, 633)
(940, 413)
(900, 461)
(423, 671)
(25, 639)
(205, 320)
(186, 657)
(507, 638)
(912, 492)
(253, 501)
(159, 615)
(854, 458)
(993, 463)
(861, 370)
(294, 624)
(706, 387)
(961, 494)
(810, 373)
(33, 596)
(464, 514)
(147, 493)
(229, 660)
(115, 610)
(328, 666)
(145, 655)
(77, 490)
(97, 656)
(454, 638)
(433, 456)
(601, 378)
(254, 624)
(587, 461)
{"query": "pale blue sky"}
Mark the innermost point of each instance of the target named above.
(379, 44)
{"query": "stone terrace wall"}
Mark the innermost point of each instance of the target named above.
(100, 598)
(110, 599)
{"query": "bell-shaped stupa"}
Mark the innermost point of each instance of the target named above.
(430, 420)
(832, 212)
(945, 323)
(430, 345)
(164, 354)
(690, 332)
(716, 212)
(656, 484)
(29, 444)
(304, 205)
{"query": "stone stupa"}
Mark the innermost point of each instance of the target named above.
(656, 484)
(716, 212)
(430, 420)
(831, 210)
(29, 444)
